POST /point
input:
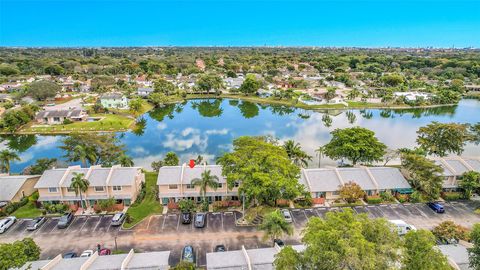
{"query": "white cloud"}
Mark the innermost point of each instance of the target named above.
(217, 131)
(140, 150)
(161, 126)
(192, 137)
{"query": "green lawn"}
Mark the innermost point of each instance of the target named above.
(110, 122)
(27, 211)
(148, 206)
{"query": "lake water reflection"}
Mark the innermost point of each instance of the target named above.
(207, 127)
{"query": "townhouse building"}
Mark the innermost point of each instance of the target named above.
(453, 168)
(15, 187)
(325, 183)
(175, 183)
(121, 183)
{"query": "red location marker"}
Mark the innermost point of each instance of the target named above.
(191, 163)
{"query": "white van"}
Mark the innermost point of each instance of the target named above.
(402, 226)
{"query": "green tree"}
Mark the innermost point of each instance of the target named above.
(208, 108)
(393, 79)
(104, 147)
(331, 93)
(356, 144)
(184, 265)
(262, 170)
(6, 157)
(40, 166)
(296, 154)
(186, 205)
(79, 184)
(135, 105)
(275, 226)
(469, 182)
(475, 133)
(83, 154)
(171, 159)
(424, 174)
(54, 70)
(443, 138)
(420, 254)
(344, 240)
(448, 230)
(289, 259)
(8, 70)
(156, 165)
(158, 99)
(41, 90)
(16, 254)
(250, 85)
(209, 82)
(164, 87)
(351, 192)
(206, 180)
(474, 252)
(125, 161)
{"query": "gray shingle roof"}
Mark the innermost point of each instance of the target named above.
(172, 174)
(389, 178)
(322, 179)
(10, 185)
(59, 113)
(474, 163)
(121, 176)
(357, 175)
(169, 175)
(456, 165)
(227, 260)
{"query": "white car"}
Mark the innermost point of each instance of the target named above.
(7, 223)
(87, 253)
(287, 216)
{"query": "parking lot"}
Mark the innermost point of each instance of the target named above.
(166, 232)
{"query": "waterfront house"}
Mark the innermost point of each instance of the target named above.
(175, 183)
(325, 183)
(59, 116)
(114, 101)
(15, 187)
(128, 261)
(121, 183)
(453, 168)
(144, 91)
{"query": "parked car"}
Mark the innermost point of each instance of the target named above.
(118, 219)
(188, 254)
(200, 220)
(287, 216)
(186, 218)
(36, 223)
(65, 220)
(402, 227)
(87, 253)
(437, 207)
(69, 255)
(220, 248)
(104, 252)
(7, 223)
(279, 242)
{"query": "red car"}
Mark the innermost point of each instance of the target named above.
(104, 252)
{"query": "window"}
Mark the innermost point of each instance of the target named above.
(219, 185)
(69, 189)
(52, 189)
(117, 188)
(237, 184)
(190, 186)
(56, 119)
(335, 193)
(172, 186)
(99, 189)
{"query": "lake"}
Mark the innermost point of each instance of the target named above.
(207, 128)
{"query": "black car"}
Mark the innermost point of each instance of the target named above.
(36, 223)
(220, 248)
(186, 218)
(65, 220)
(200, 220)
(279, 242)
(69, 255)
(437, 207)
(188, 254)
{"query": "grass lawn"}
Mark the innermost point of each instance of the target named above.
(261, 210)
(148, 206)
(110, 122)
(27, 211)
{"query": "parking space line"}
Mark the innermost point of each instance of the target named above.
(98, 223)
(149, 220)
(83, 225)
(221, 217)
(178, 222)
(163, 224)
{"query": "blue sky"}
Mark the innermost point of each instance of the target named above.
(364, 23)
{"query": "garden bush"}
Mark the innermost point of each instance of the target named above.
(451, 196)
(387, 197)
(374, 200)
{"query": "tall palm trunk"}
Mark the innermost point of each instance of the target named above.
(81, 199)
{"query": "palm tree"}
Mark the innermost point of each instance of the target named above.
(207, 180)
(296, 154)
(320, 153)
(7, 156)
(83, 154)
(275, 226)
(79, 184)
(125, 161)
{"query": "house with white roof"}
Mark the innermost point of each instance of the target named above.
(453, 168)
(149, 260)
(175, 183)
(325, 183)
(259, 258)
(15, 187)
(121, 183)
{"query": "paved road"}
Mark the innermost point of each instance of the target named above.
(166, 232)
